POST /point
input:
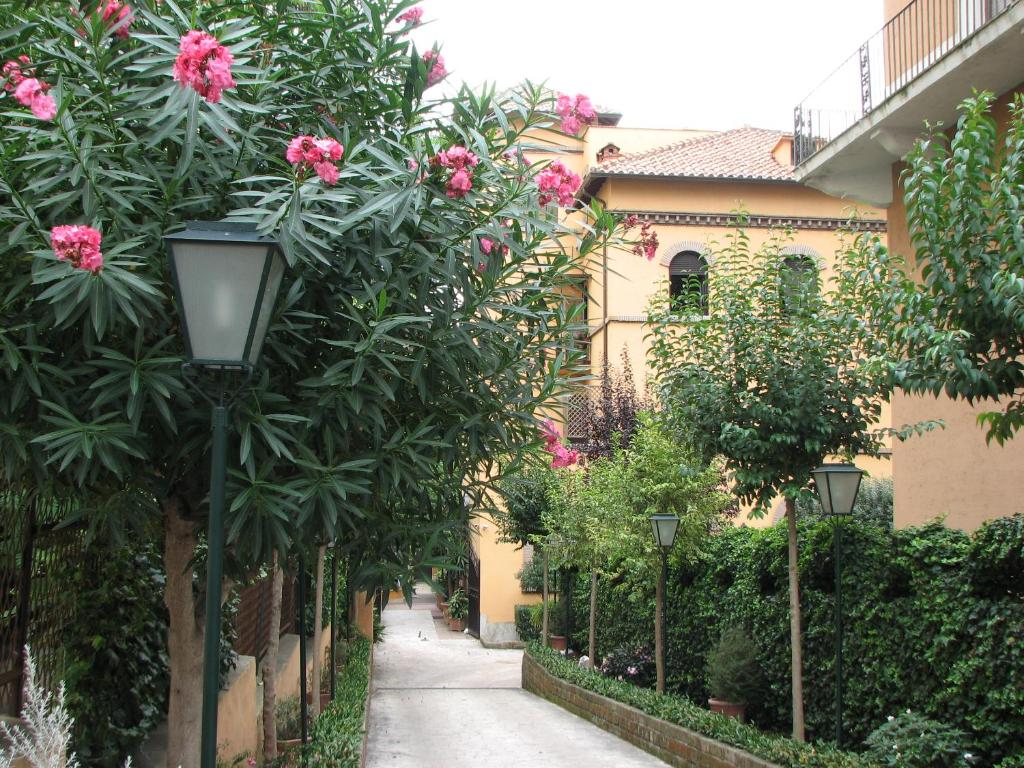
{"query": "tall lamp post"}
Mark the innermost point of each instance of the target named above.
(837, 486)
(665, 528)
(226, 277)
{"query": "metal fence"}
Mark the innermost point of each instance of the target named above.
(908, 45)
(36, 606)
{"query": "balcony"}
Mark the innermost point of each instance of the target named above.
(917, 68)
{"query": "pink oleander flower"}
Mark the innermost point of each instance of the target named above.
(78, 245)
(481, 266)
(552, 436)
(575, 111)
(564, 457)
(119, 15)
(436, 71)
(31, 93)
(647, 245)
(412, 17)
(305, 152)
(412, 164)
(557, 181)
(461, 162)
(13, 74)
(204, 65)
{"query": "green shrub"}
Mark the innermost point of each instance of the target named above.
(531, 576)
(525, 626)
(288, 718)
(924, 626)
(681, 711)
(458, 605)
(632, 664)
(337, 737)
(908, 740)
(734, 673)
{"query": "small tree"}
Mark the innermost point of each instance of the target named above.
(770, 380)
(959, 329)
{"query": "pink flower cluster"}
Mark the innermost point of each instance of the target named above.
(460, 162)
(647, 245)
(575, 111)
(204, 65)
(78, 245)
(412, 17)
(119, 15)
(435, 68)
(28, 91)
(319, 154)
(557, 181)
(561, 456)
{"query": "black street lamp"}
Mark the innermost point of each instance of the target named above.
(837, 486)
(665, 528)
(226, 278)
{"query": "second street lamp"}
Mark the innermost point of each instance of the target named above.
(226, 278)
(665, 528)
(837, 486)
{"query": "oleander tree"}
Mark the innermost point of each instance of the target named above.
(422, 318)
(953, 315)
(782, 372)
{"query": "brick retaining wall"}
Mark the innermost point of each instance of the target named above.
(672, 743)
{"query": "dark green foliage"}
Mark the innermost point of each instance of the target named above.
(525, 626)
(923, 628)
(531, 575)
(337, 737)
(116, 675)
(873, 505)
(458, 604)
(908, 740)
(996, 560)
(525, 496)
(734, 673)
(632, 663)
(677, 709)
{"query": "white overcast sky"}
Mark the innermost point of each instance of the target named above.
(713, 64)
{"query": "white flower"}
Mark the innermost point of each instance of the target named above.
(908, 711)
(891, 718)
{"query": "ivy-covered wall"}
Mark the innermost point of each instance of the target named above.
(933, 621)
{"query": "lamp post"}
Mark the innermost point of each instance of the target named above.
(837, 486)
(226, 277)
(665, 528)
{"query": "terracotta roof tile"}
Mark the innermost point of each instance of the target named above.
(742, 153)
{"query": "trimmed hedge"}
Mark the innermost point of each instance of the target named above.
(933, 621)
(337, 737)
(681, 711)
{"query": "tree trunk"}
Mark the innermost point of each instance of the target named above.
(318, 631)
(544, 612)
(794, 625)
(184, 639)
(659, 634)
(270, 664)
(592, 636)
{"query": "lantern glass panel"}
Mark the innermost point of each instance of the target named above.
(266, 309)
(218, 287)
(665, 528)
(837, 485)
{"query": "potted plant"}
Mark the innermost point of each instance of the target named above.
(734, 674)
(458, 610)
(289, 726)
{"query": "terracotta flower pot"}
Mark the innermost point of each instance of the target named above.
(729, 709)
(456, 625)
(558, 642)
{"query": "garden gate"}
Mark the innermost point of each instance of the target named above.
(473, 592)
(36, 553)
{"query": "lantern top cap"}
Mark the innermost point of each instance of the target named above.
(222, 231)
(837, 467)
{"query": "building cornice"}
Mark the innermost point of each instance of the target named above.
(732, 220)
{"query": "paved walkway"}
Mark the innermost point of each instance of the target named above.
(440, 699)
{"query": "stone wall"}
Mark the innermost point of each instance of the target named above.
(674, 744)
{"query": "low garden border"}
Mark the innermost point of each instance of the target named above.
(339, 735)
(654, 722)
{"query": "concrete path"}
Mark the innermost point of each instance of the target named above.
(440, 699)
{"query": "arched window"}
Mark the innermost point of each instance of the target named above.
(688, 280)
(799, 274)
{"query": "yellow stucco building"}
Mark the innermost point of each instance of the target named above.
(690, 185)
(853, 132)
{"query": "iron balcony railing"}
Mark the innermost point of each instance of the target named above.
(908, 45)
